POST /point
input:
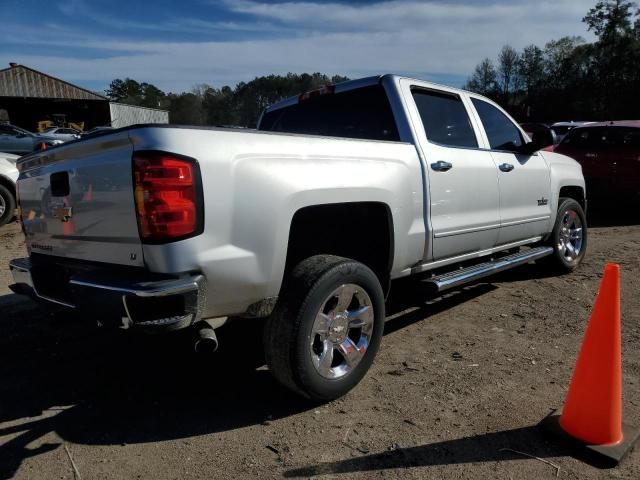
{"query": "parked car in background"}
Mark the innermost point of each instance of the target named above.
(560, 129)
(20, 141)
(609, 153)
(63, 133)
(8, 178)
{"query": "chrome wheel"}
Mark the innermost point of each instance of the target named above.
(3, 206)
(342, 331)
(570, 236)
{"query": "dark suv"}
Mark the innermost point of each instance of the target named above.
(609, 153)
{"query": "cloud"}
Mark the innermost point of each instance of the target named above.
(408, 37)
(403, 14)
(72, 7)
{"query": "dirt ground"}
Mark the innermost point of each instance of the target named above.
(458, 379)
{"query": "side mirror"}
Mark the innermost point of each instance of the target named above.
(543, 138)
(539, 140)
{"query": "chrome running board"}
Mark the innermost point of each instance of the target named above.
(475, 272)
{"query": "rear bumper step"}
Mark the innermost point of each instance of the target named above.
(465, 275)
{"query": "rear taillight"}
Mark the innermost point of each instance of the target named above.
(167, 196)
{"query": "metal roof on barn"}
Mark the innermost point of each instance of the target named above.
(25, 82)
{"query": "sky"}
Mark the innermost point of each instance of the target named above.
(178, 44)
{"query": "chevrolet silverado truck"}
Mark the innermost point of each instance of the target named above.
(304, 221)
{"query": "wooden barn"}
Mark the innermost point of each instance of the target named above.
(34, 100)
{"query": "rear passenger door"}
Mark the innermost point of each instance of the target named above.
(524, 180)
(462, 191)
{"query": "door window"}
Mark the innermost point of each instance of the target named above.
(444, 118)
(500, 130)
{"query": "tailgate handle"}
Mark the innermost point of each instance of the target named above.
(59, 184)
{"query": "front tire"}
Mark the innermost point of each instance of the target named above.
(569, 235)
(7, 205)
(327, 326)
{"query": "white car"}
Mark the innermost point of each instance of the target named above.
(62, 133)
(8, 178)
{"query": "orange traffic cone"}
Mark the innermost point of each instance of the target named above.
(593, 407)
(592, 414)
(88, 195)
(68, 228)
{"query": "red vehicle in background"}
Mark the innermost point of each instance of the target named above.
(609, 153)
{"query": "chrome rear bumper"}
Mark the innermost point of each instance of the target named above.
(152, 303)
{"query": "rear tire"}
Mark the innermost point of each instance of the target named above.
(326, 328)
(7, 205)
(569, 236)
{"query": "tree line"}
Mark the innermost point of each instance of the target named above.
(226, 106)
(569, 78)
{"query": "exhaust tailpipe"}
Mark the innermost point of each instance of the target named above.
(206, 339)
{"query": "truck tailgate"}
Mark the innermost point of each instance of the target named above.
(77, 201)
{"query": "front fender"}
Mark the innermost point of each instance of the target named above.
(564, 172)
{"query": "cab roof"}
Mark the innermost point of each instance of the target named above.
(349, 85)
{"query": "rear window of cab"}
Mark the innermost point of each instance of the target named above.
(363, 113)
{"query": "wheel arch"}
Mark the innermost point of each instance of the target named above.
(576, 192)
(363, 231)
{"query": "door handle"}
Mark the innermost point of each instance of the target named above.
(441, 166)
(506, 167)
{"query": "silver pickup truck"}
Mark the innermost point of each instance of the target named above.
(304, 222)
